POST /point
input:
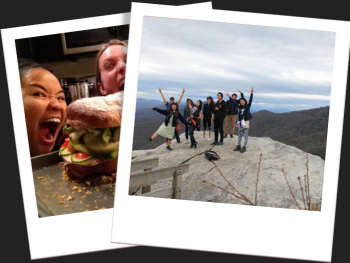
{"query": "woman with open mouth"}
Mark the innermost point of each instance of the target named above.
(111, 68)
(44, 106)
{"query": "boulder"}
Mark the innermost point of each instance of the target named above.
(241, 171)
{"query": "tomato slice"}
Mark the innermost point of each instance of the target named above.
(70, 148)
(65, 145)
(81, 155)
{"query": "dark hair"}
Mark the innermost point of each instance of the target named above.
(234, 94)
(112, 42)
(26, 64)
(220, 94)
(171, 98)
(170, 111)
(211, 101)
(190, 101)
(200, 105)
(174, 103)
(244, 100)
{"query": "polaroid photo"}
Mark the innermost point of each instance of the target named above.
(60, 207)
(267, 184)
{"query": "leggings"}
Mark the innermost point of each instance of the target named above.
(186, 131)
(242, 132)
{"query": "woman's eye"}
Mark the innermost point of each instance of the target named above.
(108, 67)
(38, 94)
(61, 98)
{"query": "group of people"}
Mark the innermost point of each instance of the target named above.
(235, 111)
(44, 100)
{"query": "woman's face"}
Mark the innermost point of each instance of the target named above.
(208, 101)
(198, 103)
(242, 102)
(173, 107)
(188, 102)
(112, 66)
(44, 107)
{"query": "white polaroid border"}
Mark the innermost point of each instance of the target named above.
(228, 228)
(71, 233)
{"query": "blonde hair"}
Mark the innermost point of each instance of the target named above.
(112, 42)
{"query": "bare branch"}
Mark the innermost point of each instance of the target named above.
(257, 180)
(234, 189)
(307, 176)
(237, 197)
(302, 193)
(290, 189)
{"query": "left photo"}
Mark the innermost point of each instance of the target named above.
(72, 89)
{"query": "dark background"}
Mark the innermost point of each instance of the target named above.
(15, 246)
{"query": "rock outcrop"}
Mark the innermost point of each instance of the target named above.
(241, 171)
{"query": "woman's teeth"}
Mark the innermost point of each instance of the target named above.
(53, 120)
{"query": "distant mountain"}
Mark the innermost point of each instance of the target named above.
(255, 108)
(305, 129)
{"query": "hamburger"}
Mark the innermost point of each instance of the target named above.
(93, 125)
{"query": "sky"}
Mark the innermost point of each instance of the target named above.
(288, 68)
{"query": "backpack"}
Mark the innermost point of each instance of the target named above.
(211, 156)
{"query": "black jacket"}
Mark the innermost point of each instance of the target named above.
(168, 114)
(220, 114)
(247, 115)
(208, 110)
(231, 107)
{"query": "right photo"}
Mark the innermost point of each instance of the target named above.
(232, 113)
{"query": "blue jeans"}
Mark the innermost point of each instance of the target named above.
(190, 132)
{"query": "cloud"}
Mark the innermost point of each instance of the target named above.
(284, 65)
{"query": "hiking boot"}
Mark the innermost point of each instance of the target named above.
(225, 136)
(231, 136)
(169, 148)
(186, 141)
(220, 143)
(238, 148)
(243, 149)
(179, 142)
(149, 139)
(214, 143)
(195, 145)
(191, 146)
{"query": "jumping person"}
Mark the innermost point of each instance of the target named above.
(187, 115)
(244, 116)
(196, 116)
(167, 128)
(231, 114)
(168, 105)
(219, 117)
(207, 117)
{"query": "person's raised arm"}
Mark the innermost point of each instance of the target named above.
(242, 95)
(251, 95)
(228, 94)
(179, 100)
(161, 93)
